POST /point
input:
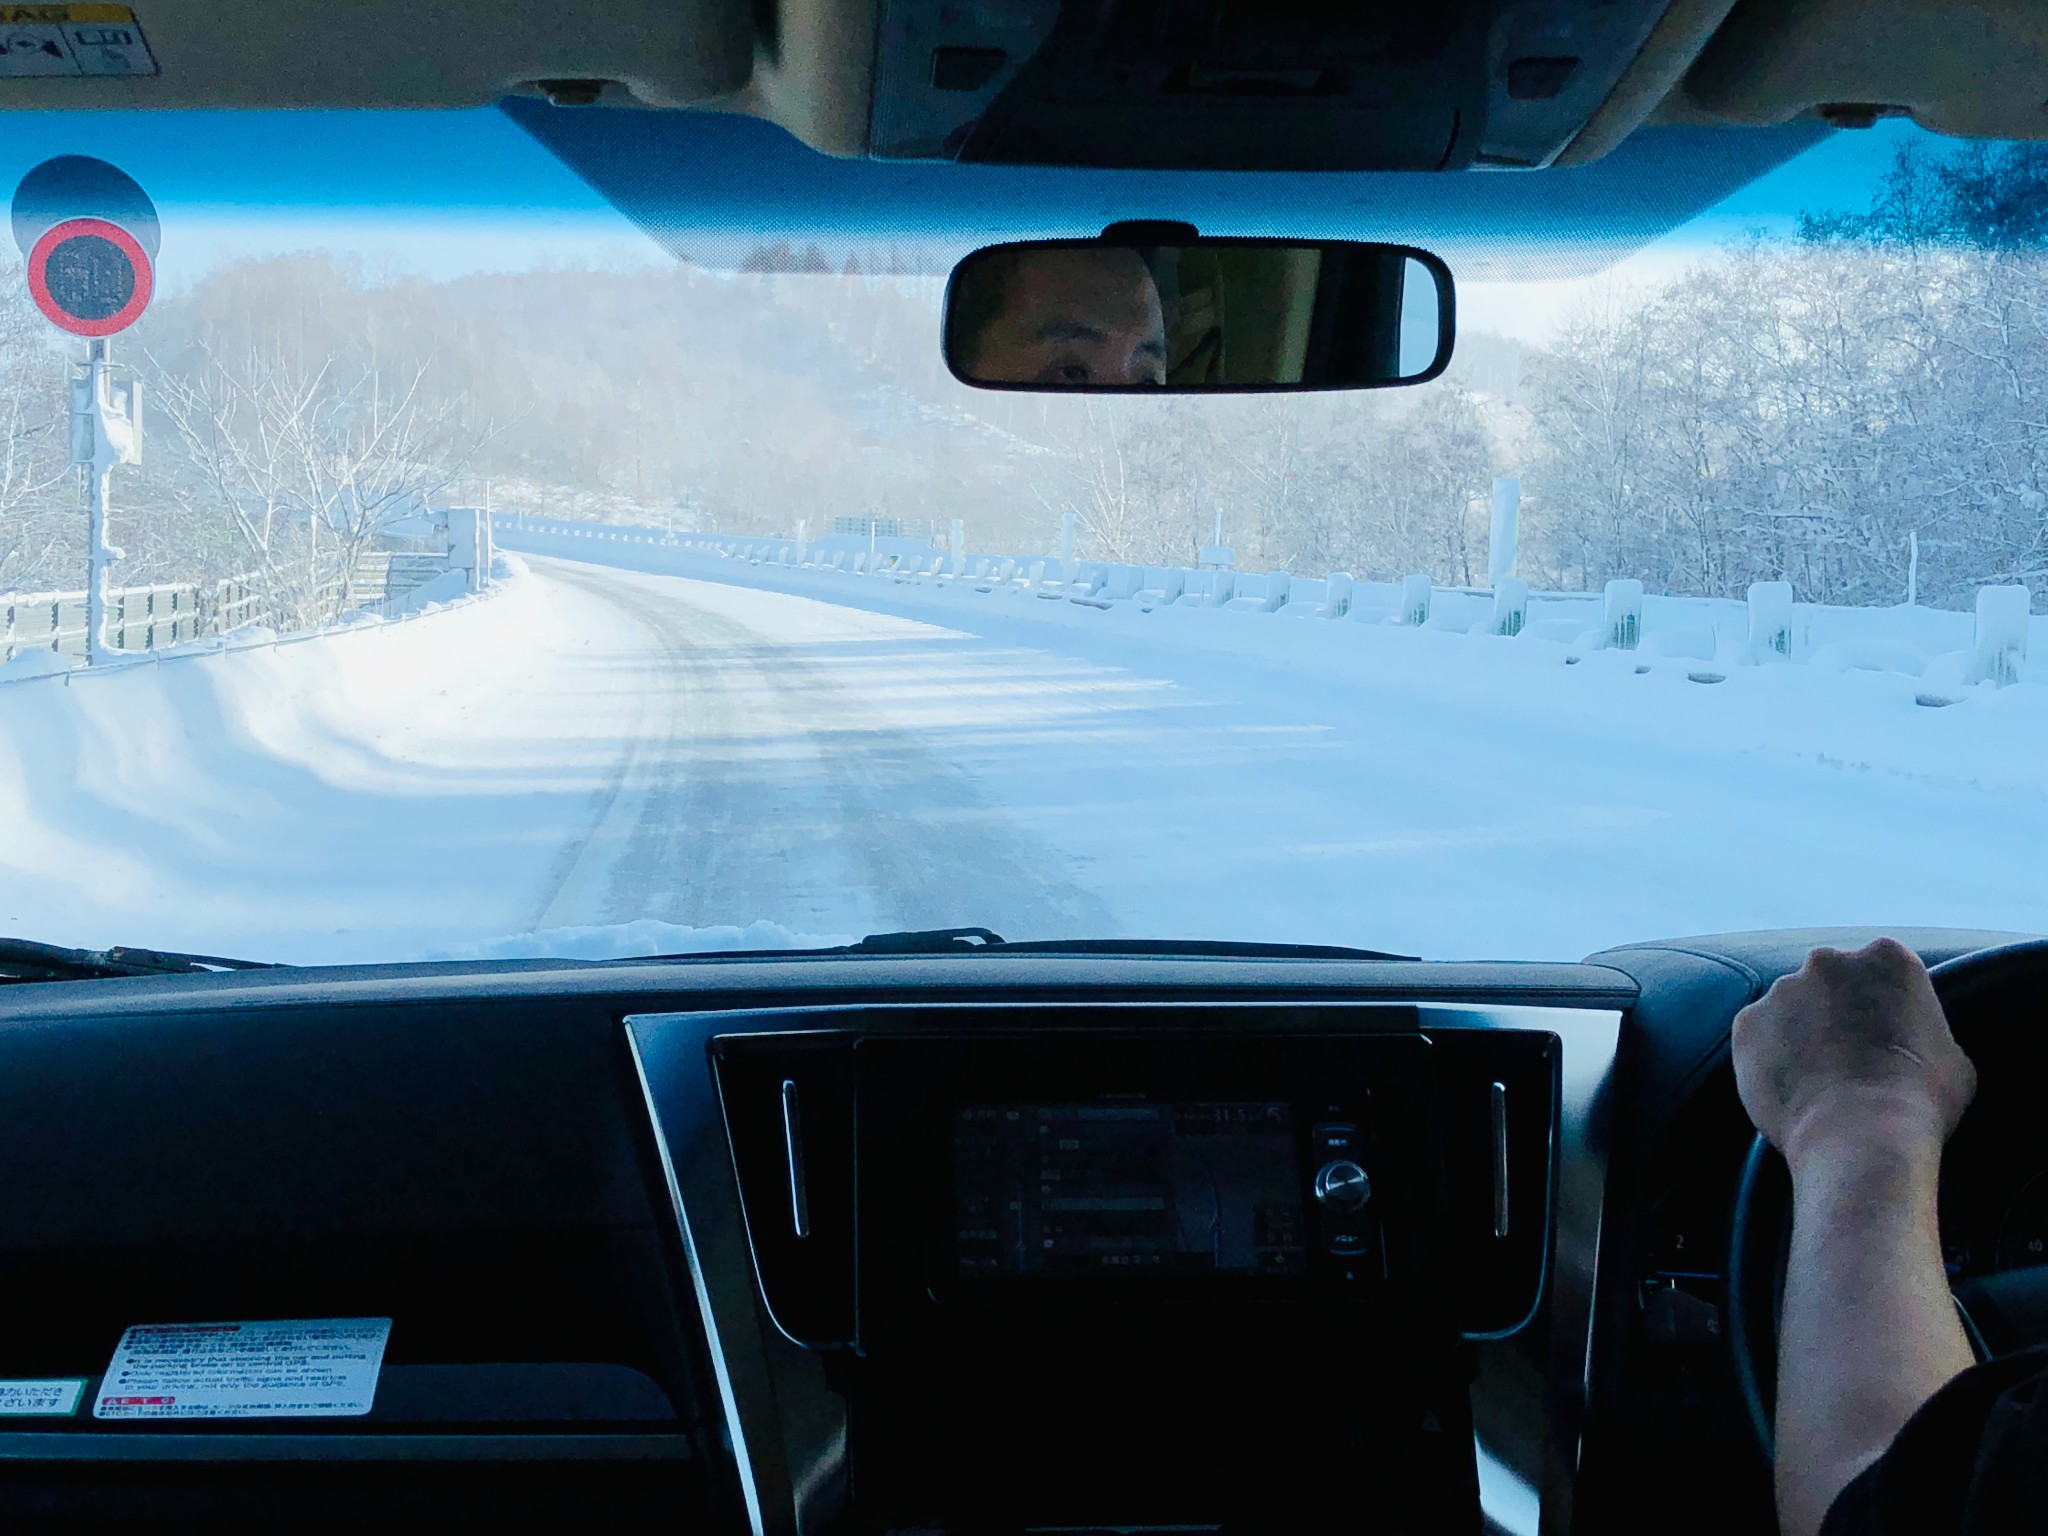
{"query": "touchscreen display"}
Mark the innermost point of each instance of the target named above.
(1127, 1189)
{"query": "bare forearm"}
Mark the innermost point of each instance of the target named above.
(1869, 1331)
(1851, 1070)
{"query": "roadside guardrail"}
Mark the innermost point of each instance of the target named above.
(1949, 650)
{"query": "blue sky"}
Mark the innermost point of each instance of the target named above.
(1841, 172)
(442, 193)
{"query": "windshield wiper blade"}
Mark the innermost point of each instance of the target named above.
(27, 960)
(925, 941)
(1196, 949)
(935, 941)
(947, 941)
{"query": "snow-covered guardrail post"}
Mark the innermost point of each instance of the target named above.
(1624, 614)
(1770, 621)
(2001, 639)
(1209, 587)
(1415, 600)
(1162, 584)
(1337, 602)
(1123, 582)
(1510, 605)
(1259, 594)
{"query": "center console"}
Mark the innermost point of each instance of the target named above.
(1121, 1266)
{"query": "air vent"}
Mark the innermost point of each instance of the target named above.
(788, 1105)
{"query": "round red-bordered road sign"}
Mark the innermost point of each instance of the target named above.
(90, 277)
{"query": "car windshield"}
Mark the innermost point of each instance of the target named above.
(513, 546)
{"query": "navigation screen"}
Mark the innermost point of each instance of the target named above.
(1112, 1189)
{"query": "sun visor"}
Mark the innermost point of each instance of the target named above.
(715, 188)
(177, 55)
(1976, 71)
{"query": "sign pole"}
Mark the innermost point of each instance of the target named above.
(99, 471)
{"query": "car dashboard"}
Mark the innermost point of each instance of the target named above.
(875, 1243)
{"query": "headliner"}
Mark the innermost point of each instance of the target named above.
(689, 177)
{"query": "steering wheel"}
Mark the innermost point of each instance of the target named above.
(2000, 1312)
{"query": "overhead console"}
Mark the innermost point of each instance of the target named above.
(1194, 85)
(1003, 1267)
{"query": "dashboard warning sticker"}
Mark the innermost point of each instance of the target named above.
(71, 40)
(40, 1399)
(323, 1368)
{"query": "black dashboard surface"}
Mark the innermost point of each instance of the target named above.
(466, 1150)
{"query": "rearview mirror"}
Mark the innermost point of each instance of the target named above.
(1198, 316)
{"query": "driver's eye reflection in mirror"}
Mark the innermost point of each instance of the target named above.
(1066, 316)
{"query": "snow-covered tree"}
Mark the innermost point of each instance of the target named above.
(42, 530)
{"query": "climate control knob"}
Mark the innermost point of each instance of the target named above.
(1341, 1185)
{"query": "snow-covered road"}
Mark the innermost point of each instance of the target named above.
(800, 763)
(599, 746)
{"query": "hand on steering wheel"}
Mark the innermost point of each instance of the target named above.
(1850, 1052)
(1850, 1056)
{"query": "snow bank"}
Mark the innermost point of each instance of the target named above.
(444, 588)
(38, 663)
(363, 794)
(1869, 654)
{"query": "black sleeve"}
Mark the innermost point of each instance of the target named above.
(1972, 1462)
